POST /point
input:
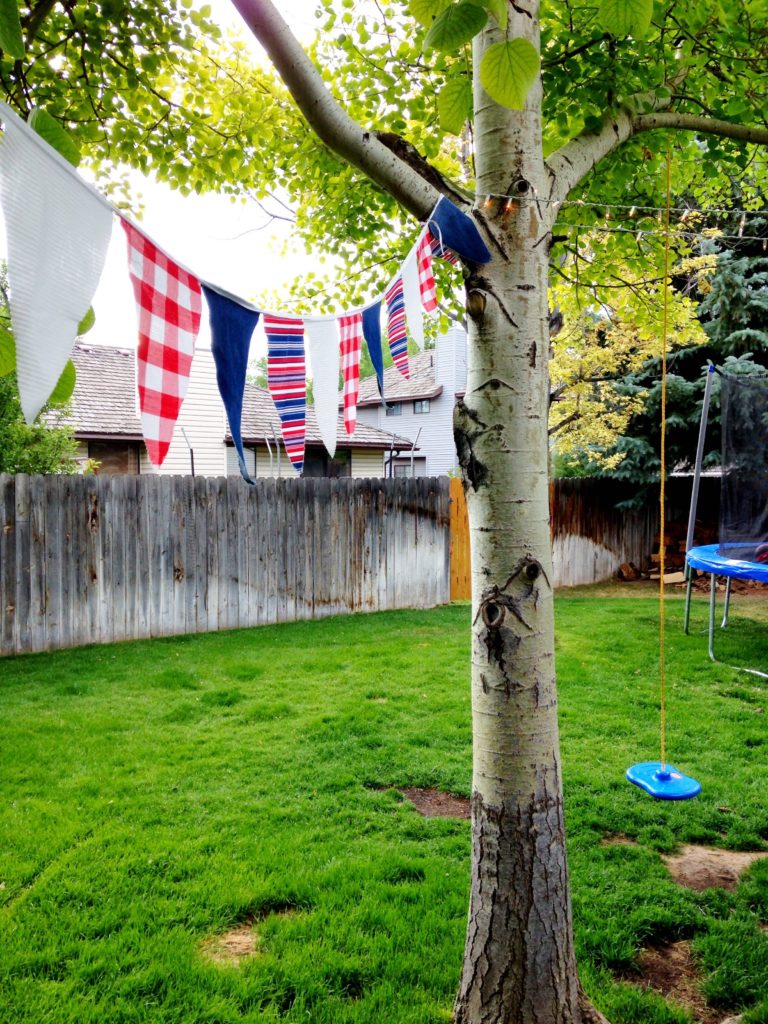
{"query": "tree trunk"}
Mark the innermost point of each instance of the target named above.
(519, 963)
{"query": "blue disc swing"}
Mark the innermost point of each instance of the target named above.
(659, 778)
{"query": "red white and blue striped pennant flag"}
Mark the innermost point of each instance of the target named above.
(396, 332)
(287, 381)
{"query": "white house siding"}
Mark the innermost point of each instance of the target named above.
(367, 462)
(266, 468)
(435, 441)
(233, 466)
(203, 418)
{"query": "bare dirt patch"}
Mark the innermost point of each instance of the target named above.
(671, 971)
(433, 803)
(704, 867)
(242, 940)
(231, 948)
(617, 840)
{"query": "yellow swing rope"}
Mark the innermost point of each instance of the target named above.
(662, 489)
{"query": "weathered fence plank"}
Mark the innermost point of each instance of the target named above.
(8, 576)
(97, 559)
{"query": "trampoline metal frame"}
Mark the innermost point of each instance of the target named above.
(713, 574)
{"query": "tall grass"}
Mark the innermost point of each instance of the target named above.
(156, 794)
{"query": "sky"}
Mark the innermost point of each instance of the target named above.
(217, 239)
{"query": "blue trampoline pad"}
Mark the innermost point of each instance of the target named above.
(664, 782)
(708, 559)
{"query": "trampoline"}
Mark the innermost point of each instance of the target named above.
(742, 552)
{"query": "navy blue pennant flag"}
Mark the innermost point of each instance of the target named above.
(231, 328)
(372, 335)
(457, 231)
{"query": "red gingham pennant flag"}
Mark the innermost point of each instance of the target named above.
(351, 333)
(169, 304)
(427, 287)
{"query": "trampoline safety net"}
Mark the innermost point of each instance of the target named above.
(744, 490)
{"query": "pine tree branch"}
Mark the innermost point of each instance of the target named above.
(328, 119)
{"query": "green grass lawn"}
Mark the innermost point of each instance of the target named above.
(156, 794)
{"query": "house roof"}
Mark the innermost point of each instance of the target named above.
(420, 385)
(104, 400)
(104, 405)
(260, 419)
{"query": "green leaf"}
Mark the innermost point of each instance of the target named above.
(86, 323)
(48, 128)
(11, 39)
(426, 11)
(625, 17)
(66, 385)
(500, 10)
(7, 352)
(454, 105)
(455, 26)
(508, 70)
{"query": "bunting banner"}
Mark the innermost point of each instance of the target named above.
(324, 354)
(412, 299)
(427, 286)
(58, 231)
(169, 306)
(440, 252)
(396, 333)
(351, 331)
(457, 231)
(232, 326)
(372, 335)
(287, 381)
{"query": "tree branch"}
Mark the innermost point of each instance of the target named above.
(699, 123)
(328, 119)
(573, 161)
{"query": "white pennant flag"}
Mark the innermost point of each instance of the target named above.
(323, 338)
(412, 298)
(58, 231)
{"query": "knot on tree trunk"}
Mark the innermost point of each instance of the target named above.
(500, 636)
(467, 429)
(476, 303)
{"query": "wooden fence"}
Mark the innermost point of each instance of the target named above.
(591, 534)
(98, 559)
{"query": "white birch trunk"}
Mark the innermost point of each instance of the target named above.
(519, 963)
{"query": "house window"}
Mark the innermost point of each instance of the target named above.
(421, 406)
(115, 458)
(317, 463)
(406, 468)
(395, 409)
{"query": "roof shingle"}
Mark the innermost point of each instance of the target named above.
(104, 405)
(422, 383)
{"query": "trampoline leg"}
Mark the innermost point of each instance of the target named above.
(712, 617)
(687, 618)
(724, 623)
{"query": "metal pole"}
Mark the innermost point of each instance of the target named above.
(269, 449)
(277, 447)
(413, 448)
(191, 451)
(699, 459)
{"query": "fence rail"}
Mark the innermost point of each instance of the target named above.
(99, 559)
